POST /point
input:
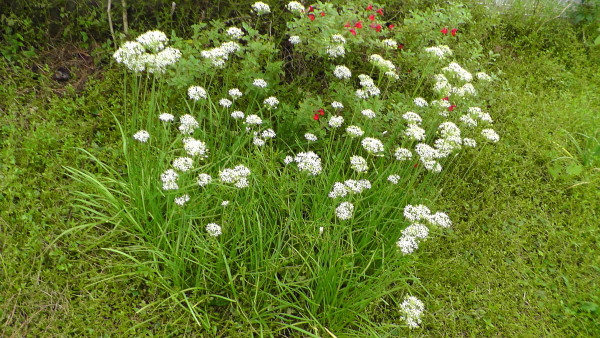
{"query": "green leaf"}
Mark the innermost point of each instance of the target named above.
(574, 169)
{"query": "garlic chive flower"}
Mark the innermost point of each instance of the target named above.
(354, 131)
(257, 141)
(295, 7)
(141, 136)
(389, 43)
(336, 51)
(381, 63)
(373, 146)
(253, 120)
(420, 102)
(412, 118)
(226, 103)
(183, 163)
(235, 93)
(224, 203)
(491, 135)
(412, 310)
(166, 117)
(345, 211)
(213, 229)
(235, 33)
(402, 154)
(414, 132)
(153, 40)
(237, 115)
(359, 164)
(204, 179)
(295, 39)
(394, 179)
(169, 179)
(440, 219)
(259, 83)
(469, 142)
(342, 72)
(261, 8)
(182, 200)
(310, 137)
(336, 121)
(130, 55)
(188, 124)
(416, 213)
(337, 105)
(268, 134)
(483, 76)
(288, 159)
(195, 147)
(368, 113)
(309, 162)
(236, 176)
(338, 38)
(271, 102)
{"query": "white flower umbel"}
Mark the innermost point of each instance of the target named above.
(181, 200)
(261, 8)
(309, 162)
(382, 63)
(483, 76)
(368, 113)
(402, 154)
(166, 117)
(253, 120)
(288, 159)
(238, 115)
(153, 40)
(359, 164)
(268, 134)
(130, 54)
(338, 190)
(414, 132)
(295, 7)
(407, 244)
(354, 131)
(183, 163)
(235, 93)
(188, 124)
(337, 105)
(420, 102)
(344, 211)
(468, 121)
(416, 213)
(338, 38)
(440, 219)
(336, 121)
(412, 310)
(195, 147)
(235, 33)
(439, 51)
(356, 187)
(491, 135)
(213, 229)
(225, 103)
(458, 71)
(373, 146)
(336, 51)
(260, 83)
(295, 39)
(310, 137)
(389, 43)
(236, 176)
(392, 75)
(271, 102)
(469, 142)
(412, 118)
(342, 72)
(224, 203)
(258, 142)
(141, 136)
(204, 180)
(394, 179)
(169, 179)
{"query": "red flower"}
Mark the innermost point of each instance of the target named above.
(370, 7)
(400, 46)
(321, 111)
(444, 31)
(322, 13)
(373, 25)
(353, 31)
(358, 24)
(454, 32)
(316, 117)
(378, 28)
(310, 9)
(445, 99)
(347, 24)
(416, 164)
(311, 17)
(380, 11)
(372, 17)
(391, 27)
(451, 107)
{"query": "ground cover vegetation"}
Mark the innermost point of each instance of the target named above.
(276, 171)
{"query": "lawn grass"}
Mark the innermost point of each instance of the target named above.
(521, 259)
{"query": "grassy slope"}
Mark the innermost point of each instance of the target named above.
(521, 259)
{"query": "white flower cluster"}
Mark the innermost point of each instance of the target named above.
(368, 113)
(204, 179)
(414, 132)
(418, 213)
(439, 51)
(442, 85)
(309, 162)
(349, 187)
(483, 76)
(213, 229)
(195, 147)
(359, 164)
(260, 139)
(336, 121)
(381, 63)
(310, 137)
(417, 232)
(354, 131)
(475, 112)
(183, 163)
(196, 93)
(166, 117)
(271, 102)
(235, 93)
(237, 176)
(337, 49)
(420, 102)
(219, 55)
(402, 154)
(141, 136)
(389, 43)
(456, 69)
(337, 105)
(181, 200)
(225, 103)
(295, 39)
(368, 87)
(261, 8)
(169, 179)
(450, 139)
(491, 135)
(148, 53)
(235, 33)
(238, 115)
(253, 120)
(412, 310)
(428, 157)
(412, 118)
(345, 211)
(342, 72)
(260, 83)
(295, 7)
(394, 179)
(373, 146)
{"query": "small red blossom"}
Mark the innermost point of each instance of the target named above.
(378, 28)
(372, 17)
(445, 99)
(311, 9)
(358, 24)
(400, 46)
(380, 11)
(373, 25)
(444, 31)
(316, 117)
(416, 164)
(322, 13)
(391, 26)
(454, 32)
(311, 17)
(321, 111)
(353, 31)
(347, 25)
(451, 108)
(370, 7)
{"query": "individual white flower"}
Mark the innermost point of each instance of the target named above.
(440, 219)
(169, 179)
(271, 101)
(354, 131)
(253, 120)
(224, 203)
(345, 211)
(235, 93)
(226, 103)
(181, 200)
(338, 38)
(204, 179)
(237, 115)
(402, 154)
(469, 142)
(295, 7)
(153, 40)
(259, 83)
(412, 118)
(295, 39)
(195, 147)
(258, 141)
(213, 229)
(337, 105)
(416, 213)
(236, 176)
(166, 117)
(141, 136)
(196, 93)
(188, 124)
(414, 132)
(342, 72)
(321, 230)
(269, 133)
(420, 102)
(261, 8)
(183, 163)
(412, 310)
(491, 135)
(288, 159)
(309, 162)
(372, 146)
(235, 32)
(394, 179)
(310, 137)
(483, 76)
(368, 113)
(336, 51)
(359, 164)
(389, 43)
(336, 121)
